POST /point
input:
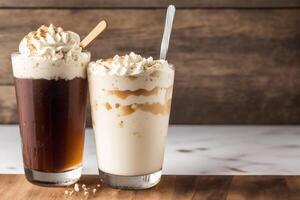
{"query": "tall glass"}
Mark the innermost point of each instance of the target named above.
(51, 97)
(130, 121)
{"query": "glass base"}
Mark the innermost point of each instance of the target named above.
(53, 178)
(130, 182)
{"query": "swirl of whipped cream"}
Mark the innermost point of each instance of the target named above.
(51, 42)
(128, 65)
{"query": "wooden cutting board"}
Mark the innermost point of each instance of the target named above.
(15, 187)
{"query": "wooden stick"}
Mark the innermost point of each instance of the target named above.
(93, 34)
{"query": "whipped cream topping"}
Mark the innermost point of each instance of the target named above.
(128, 65)
(51, 42)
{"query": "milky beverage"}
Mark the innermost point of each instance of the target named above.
(51, 90)
(130, 99)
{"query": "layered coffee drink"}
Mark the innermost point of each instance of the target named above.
(130, 98)
(51, 89)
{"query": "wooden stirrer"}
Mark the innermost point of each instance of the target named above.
(93, 34)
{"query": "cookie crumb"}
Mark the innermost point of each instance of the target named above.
(94, 191)
(76, 187)
(86, 193)
(83, 191)
(71, 192)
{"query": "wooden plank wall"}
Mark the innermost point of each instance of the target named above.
(237, 62)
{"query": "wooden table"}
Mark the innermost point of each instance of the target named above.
(15, 187)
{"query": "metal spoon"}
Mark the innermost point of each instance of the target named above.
(167, 32)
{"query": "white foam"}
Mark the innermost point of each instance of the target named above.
(37, 67)
(128, 65)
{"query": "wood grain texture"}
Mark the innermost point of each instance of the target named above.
(171, 187)
(8, 107)
(257, 188)
(149, 4)
(293, 183)
(232, 66)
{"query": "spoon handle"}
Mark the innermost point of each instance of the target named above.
(167, 32)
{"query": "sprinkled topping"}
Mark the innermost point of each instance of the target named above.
(128, 65)
(51, 42)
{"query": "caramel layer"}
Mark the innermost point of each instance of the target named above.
(157, 108)
(155, 74)
(140, 92)
(154, 108)
(132, 77)
(108, 106)
(126, 110)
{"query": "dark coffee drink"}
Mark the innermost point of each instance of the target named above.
(52, 122)
(51, 89)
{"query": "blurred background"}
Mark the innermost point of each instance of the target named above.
(237, 61)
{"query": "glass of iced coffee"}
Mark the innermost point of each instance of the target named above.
(51, 88)
(130, 98)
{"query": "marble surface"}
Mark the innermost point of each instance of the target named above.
(215, 150)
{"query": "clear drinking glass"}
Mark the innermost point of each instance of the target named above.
(51, 97)
(130, 121)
